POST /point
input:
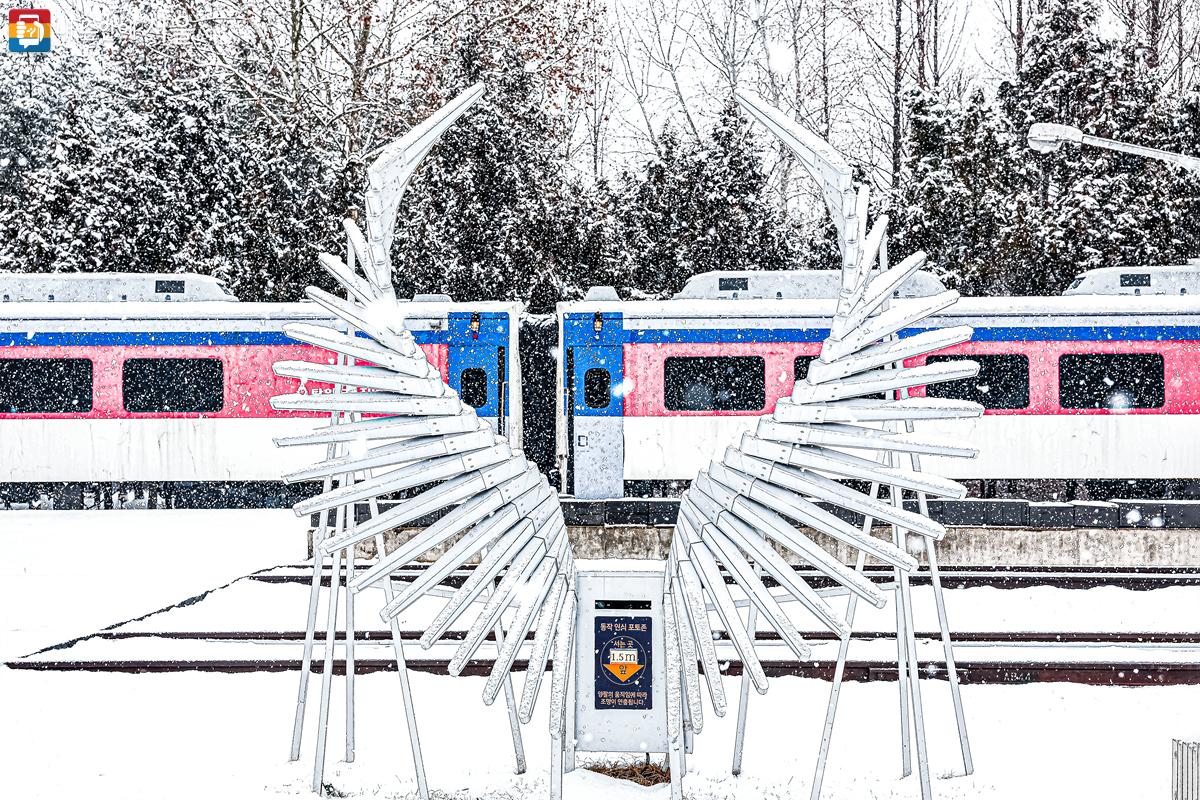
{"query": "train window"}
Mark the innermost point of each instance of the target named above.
(722, 383)
(800, 371)
(473, 387)
(1135, 279)
(168, 287)
(1002, 382)
(733, 284)
(1111, 380)
(45, 385)
(597, 388)
(173, 385)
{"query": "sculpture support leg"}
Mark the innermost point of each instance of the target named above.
(901, 659)
(939, 599)
(914, 679)
(744, 696)
(569, 726)
(310, 628)
(948, 649)
(514, 723)
(839, 671)
(349, 649)
(314, 596)
(905, 636)
(556, 768)
(674, 692)
(318, 783)
(410, 713)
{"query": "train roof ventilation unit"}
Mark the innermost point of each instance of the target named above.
(1160, 280)
(601, 293)
(101, 287)
(796, 284)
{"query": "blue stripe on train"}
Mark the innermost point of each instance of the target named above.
(170, 338)
(579, 331)
(142, 339)
(1153, 333)
(493, 329)
(468, 348)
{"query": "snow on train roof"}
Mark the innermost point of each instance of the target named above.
(1057, 306)
(1074, 305)
(1171, 279)
(794, 284)
(231, 310)
(812, 293)
(109, 287)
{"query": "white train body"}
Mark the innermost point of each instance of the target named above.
(156, 392)
(1085, 387)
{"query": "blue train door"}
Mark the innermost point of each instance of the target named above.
(478, 364)
(594, 371)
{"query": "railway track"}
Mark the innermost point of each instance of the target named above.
(976, 638)
(1136, 578)
(1133, 672)
(992, 657)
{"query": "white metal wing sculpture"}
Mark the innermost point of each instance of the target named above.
(396, 427)
(845, 421)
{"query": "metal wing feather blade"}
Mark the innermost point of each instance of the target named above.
(390, 173)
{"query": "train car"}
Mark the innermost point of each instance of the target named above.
(178, 394)
(1102, 386)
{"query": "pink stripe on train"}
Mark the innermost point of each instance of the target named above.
(644, 368)
(249, 381)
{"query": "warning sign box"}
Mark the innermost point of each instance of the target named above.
(624, 649)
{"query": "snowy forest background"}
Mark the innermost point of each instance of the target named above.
(229, 137)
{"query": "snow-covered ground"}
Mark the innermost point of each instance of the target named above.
(198, 735)
(70, 573)
(185, 735)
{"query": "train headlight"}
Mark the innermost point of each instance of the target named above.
(474, 326)
(598, 322)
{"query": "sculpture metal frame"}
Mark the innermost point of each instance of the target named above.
(396, 427)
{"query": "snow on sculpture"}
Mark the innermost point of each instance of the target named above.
(395, 427)
(745, 505)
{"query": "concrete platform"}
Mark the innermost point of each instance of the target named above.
(962, 546)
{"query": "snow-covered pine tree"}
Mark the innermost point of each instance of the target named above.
(744, 230)
(698, 207)
(138, 159)
(957, 175)
(1087, 204)
(164, 169)
(1175, 217)
(45, 151)
(656, 216)
(1006, 220)
(494, 211)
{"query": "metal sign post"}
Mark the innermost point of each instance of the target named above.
(624, 693)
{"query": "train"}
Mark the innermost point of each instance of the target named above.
(1091, 394)
(173, 396)
(1099, 387)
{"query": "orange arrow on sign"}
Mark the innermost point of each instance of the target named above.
(623, 672)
